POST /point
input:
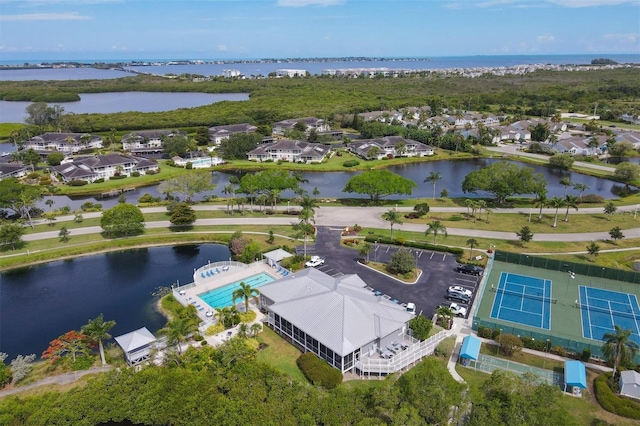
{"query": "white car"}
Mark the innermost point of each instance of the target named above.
(458, 310)
(460, 289)
(314, 261)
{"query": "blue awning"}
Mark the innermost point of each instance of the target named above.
(575, 374)
(470, 348)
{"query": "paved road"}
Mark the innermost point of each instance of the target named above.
(363, 216)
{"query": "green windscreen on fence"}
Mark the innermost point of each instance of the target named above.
(560, 265)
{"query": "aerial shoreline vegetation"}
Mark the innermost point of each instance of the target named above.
(273, 99)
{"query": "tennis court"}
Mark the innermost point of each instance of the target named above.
(523, 299)
(602, 309)
(488, 364)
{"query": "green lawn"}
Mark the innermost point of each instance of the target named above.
(524, 358)
(280, 354)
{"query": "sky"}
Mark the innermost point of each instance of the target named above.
(238, 29)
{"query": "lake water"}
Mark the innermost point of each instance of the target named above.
(330, 184)
(40, 303)
(105, 103)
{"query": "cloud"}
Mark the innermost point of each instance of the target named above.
(458, 4)
(223, 48)
(303, 3)
(591, 3)
(546, 38)
(629, 37)
(71, 16)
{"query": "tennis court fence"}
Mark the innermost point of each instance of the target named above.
(564, 266)
(519, 294)
(570, 345)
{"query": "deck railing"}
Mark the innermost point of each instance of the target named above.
(411, 355)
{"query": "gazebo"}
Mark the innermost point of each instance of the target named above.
(575, 375)
(137, 345)
(470, 350)
(275, 256)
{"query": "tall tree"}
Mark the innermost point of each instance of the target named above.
(246, 292)
(556, 203)
(433, 179)
(619, 348)
(378, 184)
(580, 187)
(471, 242)
(570, 201)
(435, 228)
(178, 330)
(525, 234)
(566, 182)
(188, 185)
(11, 234)
(122, 220)
(97, 330)
(70, 344)
(503, 180)
(393, 217)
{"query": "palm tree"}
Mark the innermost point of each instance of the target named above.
(245, 291)
(97, 329)
(488, 211)
(178, 330)
(436, 227)
(310, 204)
(445, 313)
(472, 242)
(618, 348)
(392, 217)
(433, 179)
(556, 203)
(229, 190)
(469, 203)
(567, 183)
(570, 201)
(581, 187)
(480, 204)
(541, 202)
(305, 229)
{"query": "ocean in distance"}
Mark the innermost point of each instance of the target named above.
(249, 67)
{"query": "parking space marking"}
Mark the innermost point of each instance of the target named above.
(432, 253)
(444, 256)
(420, 254)
(474, 281)
(339, 274)
(326, 271)
(388, 247)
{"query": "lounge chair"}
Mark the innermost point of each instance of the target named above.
(217, 271)
(202, 274)
(225, 268)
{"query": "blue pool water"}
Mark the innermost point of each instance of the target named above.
(221, 297)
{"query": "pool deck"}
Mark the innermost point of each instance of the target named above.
(227, 272)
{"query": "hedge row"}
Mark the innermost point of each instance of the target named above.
(318, 372)
(612, 402)
(415, 244)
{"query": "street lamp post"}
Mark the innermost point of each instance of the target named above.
(375, 253)
(546, 351)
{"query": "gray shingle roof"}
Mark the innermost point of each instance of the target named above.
(339, 312)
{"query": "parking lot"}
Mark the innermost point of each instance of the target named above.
(438, 271)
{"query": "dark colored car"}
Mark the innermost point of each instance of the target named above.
(470, 269)
(458, 297)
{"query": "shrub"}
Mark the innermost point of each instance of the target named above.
(116, 177)
(152, 172)
(402, 262)
(82, 362)
(214, 329)
(350, 163)
(248, 316)
(510, 344)
(77, 183)
(592, 198)
(33, 175)
(318, 372)
(586, 355)
(135, 174)
(148, 198)
(198, 337)
(99, 180)
(560, 351)
(611, 402)
(485, 332)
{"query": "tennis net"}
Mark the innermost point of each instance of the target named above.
(608, 311)
(528, 296)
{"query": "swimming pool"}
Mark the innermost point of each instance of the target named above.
(221, 297)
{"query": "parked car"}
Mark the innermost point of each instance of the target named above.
(458, 297)
(459, 311)
(314, 261)
(411, 307)
(461, 289)
(470, 269)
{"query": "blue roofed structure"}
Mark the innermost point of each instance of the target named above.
(575, 375)
(470, 348)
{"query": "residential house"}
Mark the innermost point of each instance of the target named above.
(219, 133)
(289, 150)
(64, 142)
(395, 146)
(631, 137)
(148, 141)
(517, 134)
(578, 145)
(338, 319)
(12, 170)
(137, 345)
(103, 166)
(284, 72)
(281, 127)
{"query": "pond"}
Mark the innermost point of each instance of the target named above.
(40, 303)
(105, 103)
(330, 184)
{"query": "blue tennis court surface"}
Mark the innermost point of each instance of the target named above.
(524, 300)
(602, 309)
